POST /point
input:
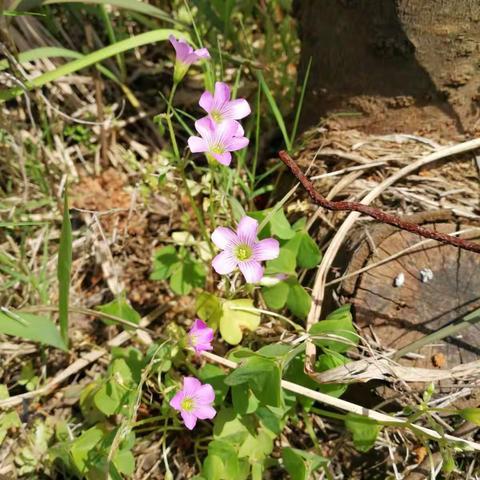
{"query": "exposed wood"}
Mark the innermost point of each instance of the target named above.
(399, 315)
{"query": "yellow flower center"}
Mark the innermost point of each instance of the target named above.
(187, 404)
(217, 149)
(243, 252)
(216, 116)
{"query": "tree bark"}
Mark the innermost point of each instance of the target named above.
(392, 65)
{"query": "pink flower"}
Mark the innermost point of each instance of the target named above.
(194, 402)
(200, 336)
(217, 141)
(243, 250)
(185, 57)
(219, 106)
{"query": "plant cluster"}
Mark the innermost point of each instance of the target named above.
(241, 264)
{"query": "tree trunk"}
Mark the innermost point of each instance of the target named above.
(392, 65)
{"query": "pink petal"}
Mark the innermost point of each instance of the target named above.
(198, 325)
(247, 230)
(238, 109)
(202, 347)
(205, 127)
(206, 101)
(205, 336)
(176, 401)
(189, 419)
(240, 131)
(252, 271)
(200, 336)
(190, 58)
(205, 395)
(267, 249)
(224, 263)
(182, 48)
(237, 143)
(225, 130)
(223, 237)
(197, 144)
(202, 53)
(196, 55)
(190, 386)
(205, 411)
(223, 158)
(221, 94)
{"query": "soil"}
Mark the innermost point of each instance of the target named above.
(384, 66)
(132, 233)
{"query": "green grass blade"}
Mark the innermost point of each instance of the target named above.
(31, 327)
(64, 267)
(182, 122)
(13, 13)
(449, 330)
(275, 110)
(13, 225)
(300, 103)
(40, 53)
(258, 105)
(159, 35)
(105, 16)
(133, 5)
(52, 52)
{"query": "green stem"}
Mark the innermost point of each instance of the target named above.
(296, 326)
(451, 329)
(210, 208)
(326, 413)
(181, 167)
(173, 138)
(257, 143)
(196, 210)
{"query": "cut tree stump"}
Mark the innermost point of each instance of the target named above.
(396, 314)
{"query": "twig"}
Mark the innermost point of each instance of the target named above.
(373, 212)
(349, 169)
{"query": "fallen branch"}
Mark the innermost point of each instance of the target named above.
(373, 212)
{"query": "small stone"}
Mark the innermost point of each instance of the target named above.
(439, 360)
(399, 280)
(420, 454)
(426, 275)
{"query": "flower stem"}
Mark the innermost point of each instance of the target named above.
(212, 199)
(197, 211)
(173, 138)
(181, 166)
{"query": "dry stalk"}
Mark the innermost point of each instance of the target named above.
(388, 370)
(353, 408)
(80, 364)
